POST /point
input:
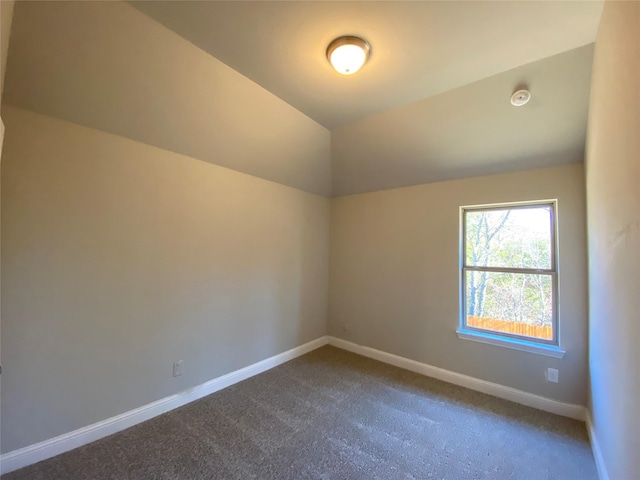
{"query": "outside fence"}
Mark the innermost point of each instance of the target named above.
(535, 331)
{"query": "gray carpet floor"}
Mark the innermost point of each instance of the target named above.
(334, 415)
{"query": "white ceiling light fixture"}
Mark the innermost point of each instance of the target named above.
(520, 98)
(348, 54)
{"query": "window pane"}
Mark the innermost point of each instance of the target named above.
(515, 238)
(516, 303)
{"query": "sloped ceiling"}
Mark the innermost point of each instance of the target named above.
(219, 81)
(108, 66)
(419, 49)
(472, 130)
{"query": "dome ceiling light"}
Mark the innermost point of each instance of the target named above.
(348, 54)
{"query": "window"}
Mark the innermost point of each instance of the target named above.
(509, 275)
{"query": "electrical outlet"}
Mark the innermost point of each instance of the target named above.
(177, 368)
(552, 375)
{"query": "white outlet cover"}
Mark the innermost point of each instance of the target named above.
(552, 375)
(177, 368)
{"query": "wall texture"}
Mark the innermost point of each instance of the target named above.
(394, 277)
(119, 258)
(613, 205)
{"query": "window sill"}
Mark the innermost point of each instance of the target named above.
(515, 344)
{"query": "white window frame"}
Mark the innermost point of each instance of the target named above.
(509, 340)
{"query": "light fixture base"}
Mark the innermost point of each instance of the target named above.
(520, 98)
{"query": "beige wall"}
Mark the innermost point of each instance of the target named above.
(119, 258)
(394, 277)
(613, 205)
(6, 16)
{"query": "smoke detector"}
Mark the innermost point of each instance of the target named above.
(520, 98)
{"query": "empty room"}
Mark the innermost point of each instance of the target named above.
(320, 240)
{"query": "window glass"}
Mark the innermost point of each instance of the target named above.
(513, 238)
(515, 303)
(509, 278)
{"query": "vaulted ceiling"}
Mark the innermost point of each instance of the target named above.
(419, 49)
(246, 85)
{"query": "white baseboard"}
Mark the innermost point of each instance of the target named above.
(63, 443)
(595, 447)
(529, 399)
